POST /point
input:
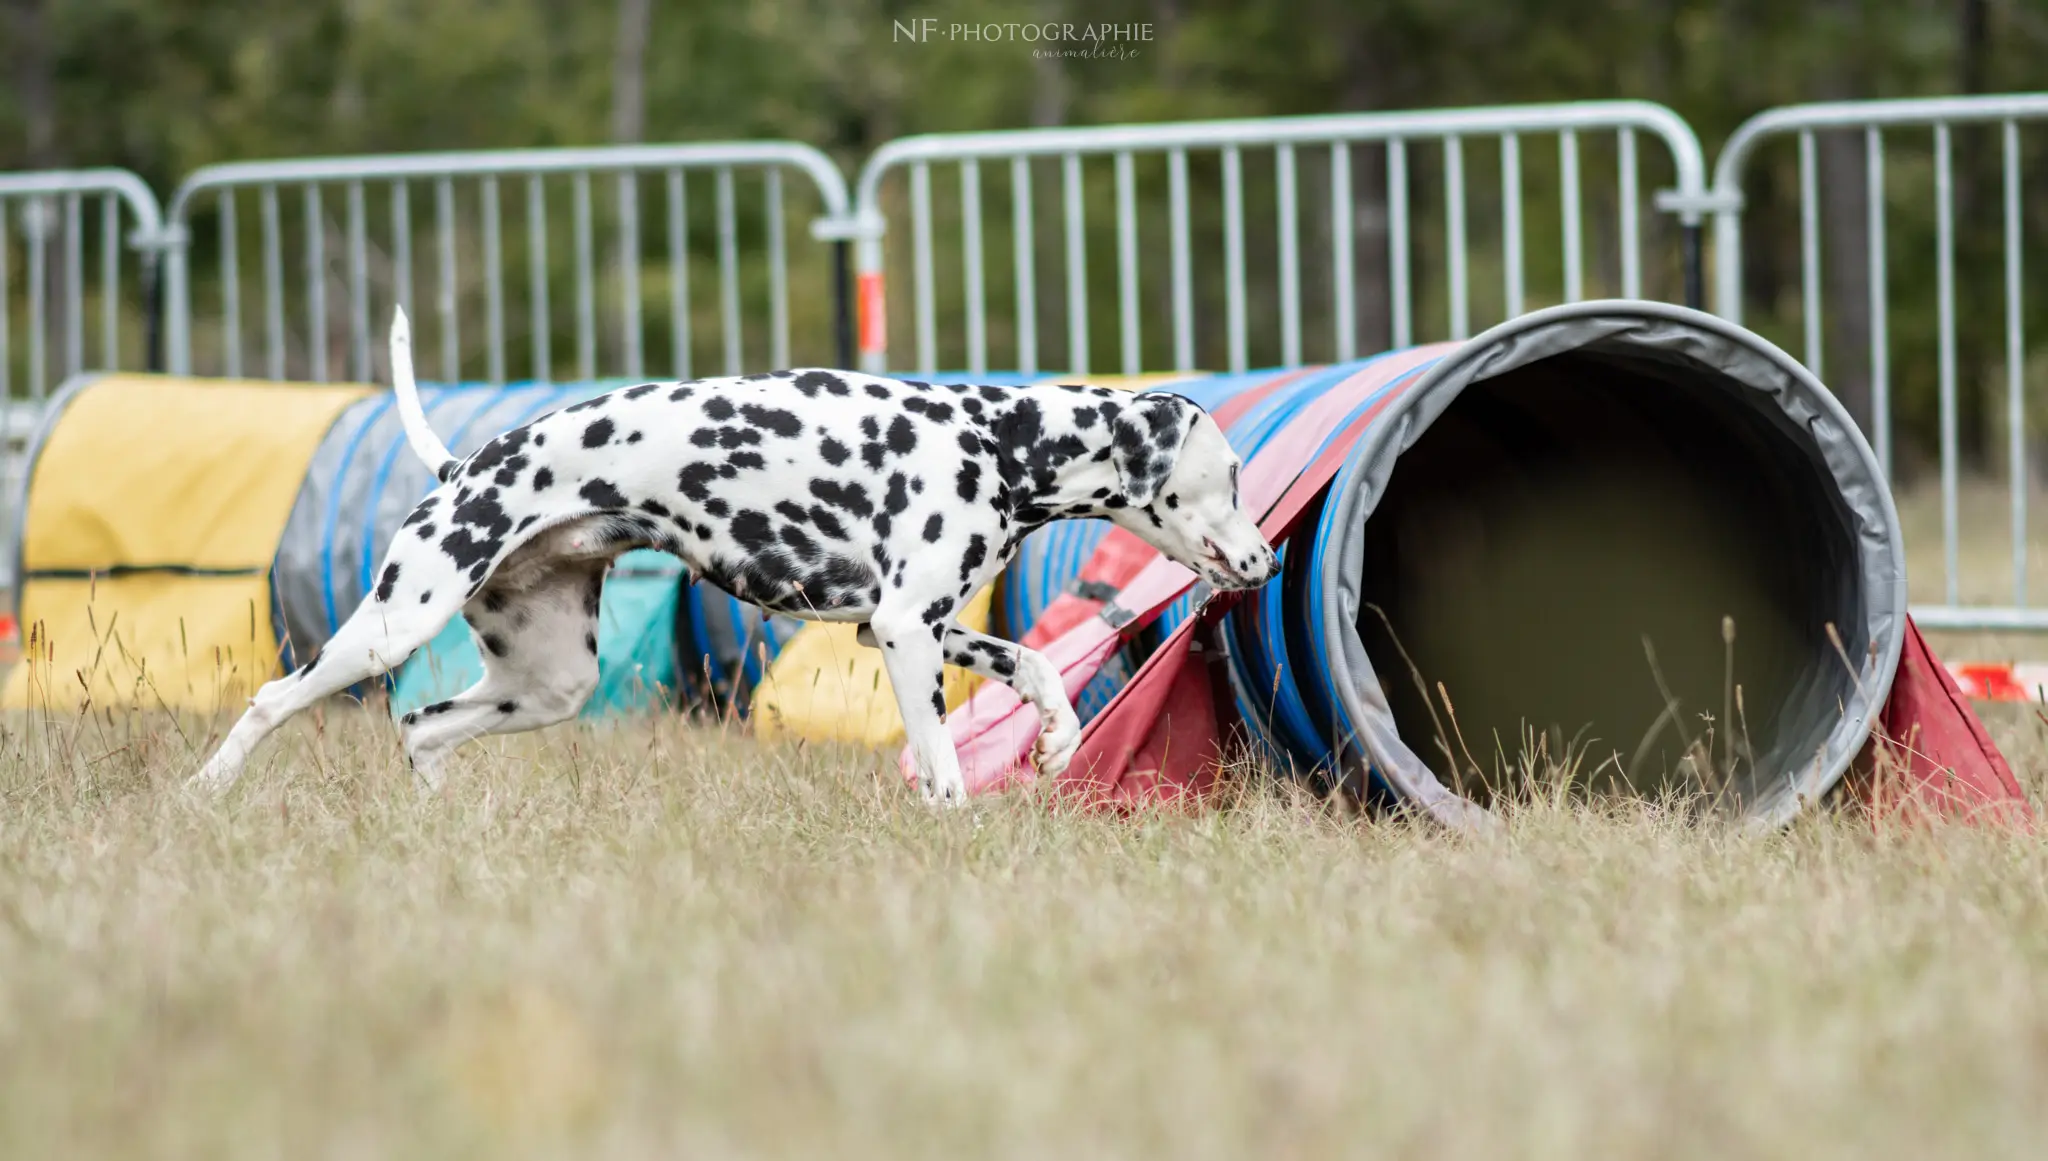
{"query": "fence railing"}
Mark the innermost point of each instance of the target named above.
(1876, 123)
(1363, 229)
(1396, 138)
(62, 233)
(325, 320)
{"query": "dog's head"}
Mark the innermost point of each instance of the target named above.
(1177, 478)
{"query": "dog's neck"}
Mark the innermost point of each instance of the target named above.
(1054, 447)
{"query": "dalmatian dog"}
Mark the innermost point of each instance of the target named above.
(823, 494)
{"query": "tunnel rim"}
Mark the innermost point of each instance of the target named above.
(1837, 450)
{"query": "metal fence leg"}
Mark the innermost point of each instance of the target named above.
(842, 306)
(152, 314)
(1695, 276)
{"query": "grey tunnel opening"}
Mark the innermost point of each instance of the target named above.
(1556, 516)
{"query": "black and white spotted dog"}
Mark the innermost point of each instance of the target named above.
(826, 495)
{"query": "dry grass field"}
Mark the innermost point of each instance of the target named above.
(659, 940)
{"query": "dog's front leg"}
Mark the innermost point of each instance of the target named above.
(912, 655)
(1035, 678)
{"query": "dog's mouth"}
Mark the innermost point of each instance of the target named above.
(1222, 573)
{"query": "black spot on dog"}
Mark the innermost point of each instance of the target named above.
(601, 494)
(427, 597)
(717, 507)
(303, 670)
(641, 391)
(968, 482)
(425, 509)
(426, 532)
(497, 450)
(876, 391)
(509, 474)
(746, 461)
(439, 707)
(934, 527)
(695, 479)
(939, 701)
(1085, 417)
(972, 407)
(679, 394)
(835, 453)
(586, 405)
(598, 434)
(506, 707)
(791, 511)
(590, 643)
(525, 522)
(494, 601)
(990, 394)
(970, 443)
(653, 507)
(798, 542)
(826, 522)
(753, 531)
(774, 419)
(593, 595)
(540, 439)
(636, 437)
(898, 497)
(411, 718)
(543, 480)
(976, 554)
(812, 382)
(494, 644)
(848, 497)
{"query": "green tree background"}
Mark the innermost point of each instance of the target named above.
(165, 86)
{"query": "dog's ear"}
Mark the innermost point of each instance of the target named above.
(1145, 442)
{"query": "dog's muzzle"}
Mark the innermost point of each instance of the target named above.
(1229, 574)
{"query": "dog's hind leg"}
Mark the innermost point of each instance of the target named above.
(539, 648)
(410, 604)
(1035, 679)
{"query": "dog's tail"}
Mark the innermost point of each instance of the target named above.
(425, 444)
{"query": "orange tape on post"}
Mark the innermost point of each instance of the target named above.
(2025, 681)
(874, 319)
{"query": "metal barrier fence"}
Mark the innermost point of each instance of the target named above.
(65, 305)
(470, 258)
(47, 300)
(1872, 120)
(1396, 135)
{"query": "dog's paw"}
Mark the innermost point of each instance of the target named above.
(209, 784)
(1058, 738)
(945, 792)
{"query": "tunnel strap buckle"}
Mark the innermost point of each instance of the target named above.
(1092, 590)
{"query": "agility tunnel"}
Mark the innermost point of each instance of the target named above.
(1622, 537)
(186, 539)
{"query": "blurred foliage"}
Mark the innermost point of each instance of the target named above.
(166, 86)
